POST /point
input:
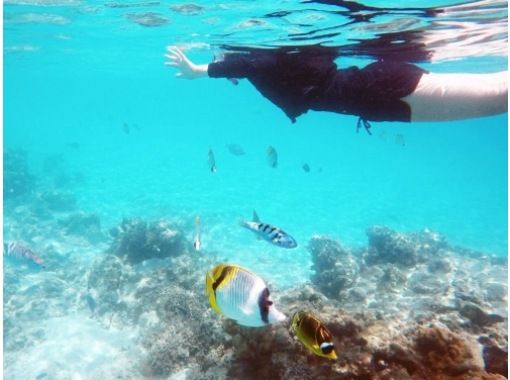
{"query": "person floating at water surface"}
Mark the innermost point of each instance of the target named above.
(299, 80)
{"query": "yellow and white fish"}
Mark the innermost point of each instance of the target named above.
(197, 242)
(241, 295)
(313, 334)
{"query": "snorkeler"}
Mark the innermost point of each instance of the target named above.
(301, 79)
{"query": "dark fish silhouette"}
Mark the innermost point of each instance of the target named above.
(272, 157)
(211, 161)
(306, 168)
(236, 149)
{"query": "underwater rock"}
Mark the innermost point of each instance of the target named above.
(439, 265)
(444, 354)
(404, 250)
(495, 358)
(426, 283)
(477, 316)
(136, 240)
(335, 270)
(85, 225)
(495, 291)
(18, 180)
(391, 280)
(388, 246)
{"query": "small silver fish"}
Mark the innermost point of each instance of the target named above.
(236, 149)
(19, 251)
(126, 128)
(211, 161)
(197, 243)
(269, 233)
(272, 157)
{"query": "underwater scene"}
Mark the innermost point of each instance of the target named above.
(159, 224)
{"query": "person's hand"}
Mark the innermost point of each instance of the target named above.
(186, 68)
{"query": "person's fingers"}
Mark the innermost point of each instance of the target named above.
(174, 64)
(176, 51)
(173, 58)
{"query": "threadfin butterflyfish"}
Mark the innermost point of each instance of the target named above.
(238, 294)
(313, 334)
(269, 232)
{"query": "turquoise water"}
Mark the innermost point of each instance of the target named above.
(76, 73)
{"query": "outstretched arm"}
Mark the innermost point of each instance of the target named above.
(186, 68)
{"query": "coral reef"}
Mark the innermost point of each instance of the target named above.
(443, 317)
(137, 240)
(335, 270)
(404, 250)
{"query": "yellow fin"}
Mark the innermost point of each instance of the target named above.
(210, 292)
(222, 273)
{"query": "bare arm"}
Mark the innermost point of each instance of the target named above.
(186, 68)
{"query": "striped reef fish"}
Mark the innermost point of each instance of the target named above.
(238, 294)
(269, 233)
(313, 334)
(19, 251)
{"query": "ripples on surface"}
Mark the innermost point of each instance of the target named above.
(443, 33)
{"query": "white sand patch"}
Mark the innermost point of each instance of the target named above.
(77, 348)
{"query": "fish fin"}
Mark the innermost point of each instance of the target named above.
(256, 217)
(210, 292)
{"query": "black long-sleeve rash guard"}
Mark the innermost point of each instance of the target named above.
(298, 82)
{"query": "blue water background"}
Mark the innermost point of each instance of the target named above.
(82, 81)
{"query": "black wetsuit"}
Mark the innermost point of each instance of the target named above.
(298, 82)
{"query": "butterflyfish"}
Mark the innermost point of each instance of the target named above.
(313, 334)
(238, 294)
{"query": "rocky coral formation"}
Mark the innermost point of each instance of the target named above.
(137, 240)
(335, 270)
(404, 250)
(444, 317)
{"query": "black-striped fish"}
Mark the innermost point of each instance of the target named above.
(241, 295)
(313, 334)
(19, 251)
(269, 233)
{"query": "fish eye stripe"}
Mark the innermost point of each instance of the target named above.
(221, 277)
